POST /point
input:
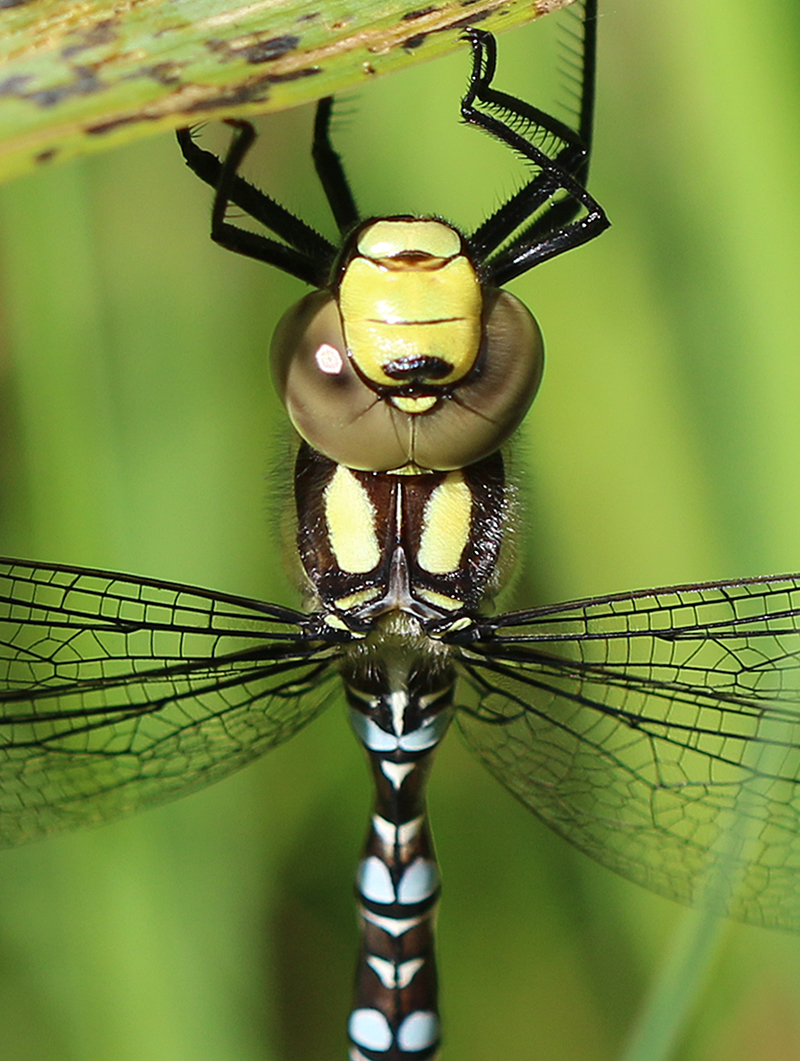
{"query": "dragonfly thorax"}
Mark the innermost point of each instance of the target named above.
(427, 545)
(410, 360)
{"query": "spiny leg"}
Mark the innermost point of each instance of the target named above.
(332, 177)
(575, 156)
(555, 173)
(554, 231)
(586, 60)
(306, 254)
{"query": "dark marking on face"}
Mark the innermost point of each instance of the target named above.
(421, 366)
(414, 42)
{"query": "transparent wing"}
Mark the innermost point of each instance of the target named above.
(117, 692)
(658, 731)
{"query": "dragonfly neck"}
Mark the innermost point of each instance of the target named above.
(395, 1011)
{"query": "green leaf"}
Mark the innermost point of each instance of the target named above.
(77, 78)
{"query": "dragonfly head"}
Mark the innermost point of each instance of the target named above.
(410, 360)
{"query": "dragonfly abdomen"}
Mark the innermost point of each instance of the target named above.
(395, 1013)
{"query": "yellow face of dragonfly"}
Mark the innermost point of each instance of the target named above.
(411, 306)
(414, 365)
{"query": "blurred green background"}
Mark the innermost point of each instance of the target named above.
(138, 431)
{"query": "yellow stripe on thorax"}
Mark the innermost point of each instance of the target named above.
(350, 519)
(448, 521)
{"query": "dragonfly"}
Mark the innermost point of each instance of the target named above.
(655, 730)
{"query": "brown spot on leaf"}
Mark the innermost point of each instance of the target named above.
(270, 50)
(103, 32)
(84, 83)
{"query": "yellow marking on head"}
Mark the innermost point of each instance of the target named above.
(387, 239)
(414, 405)
(350, 518)
(411, 312)
(412, 469)
(447, 524)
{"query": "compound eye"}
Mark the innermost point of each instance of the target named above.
(343, 418)
(327, 401)
(488, 406)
